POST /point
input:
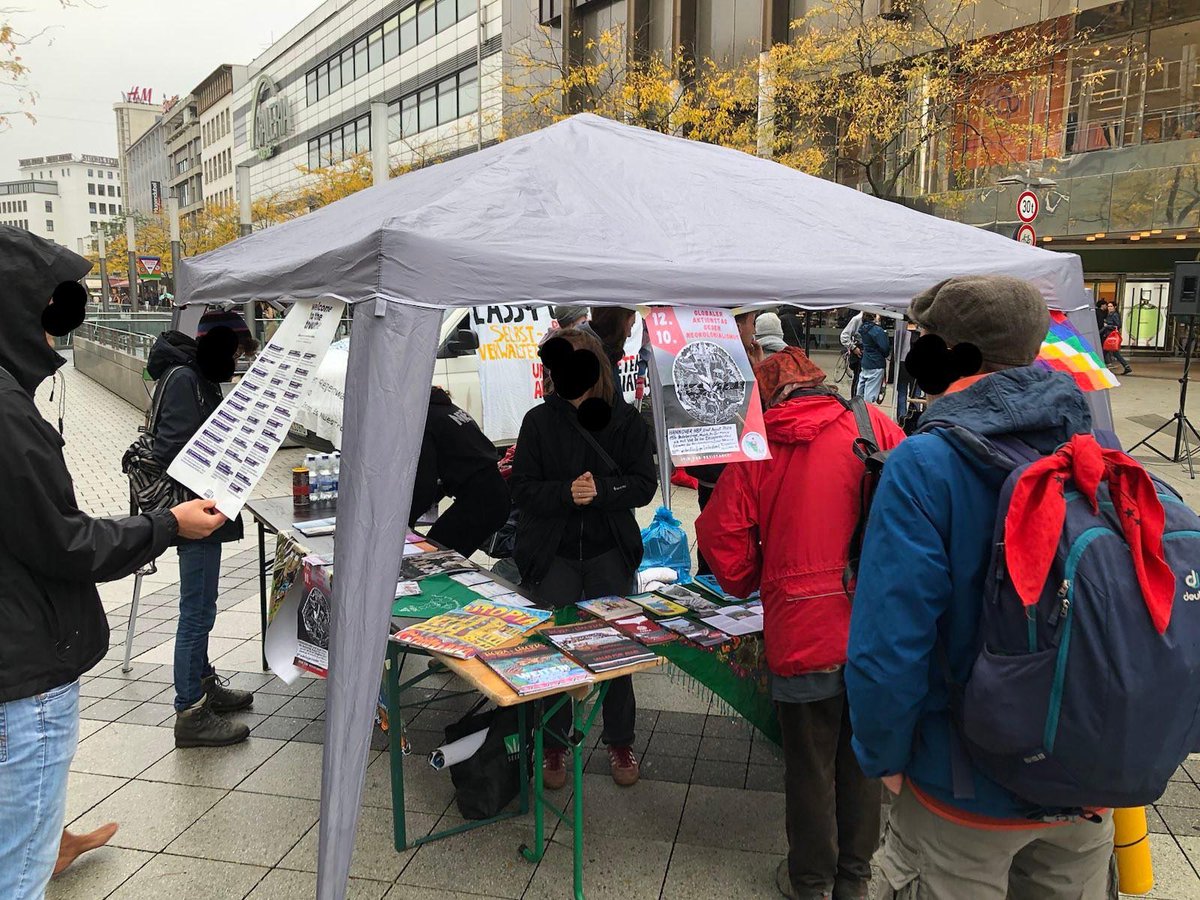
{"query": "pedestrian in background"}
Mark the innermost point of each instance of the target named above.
(189, 375)
(51, 556)
(853, 348)
(784, 526)
(576, 484)
(1112, 325)
(875, 350)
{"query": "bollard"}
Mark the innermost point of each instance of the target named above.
(1131, 841)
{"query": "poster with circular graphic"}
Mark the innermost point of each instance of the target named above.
(708, 383)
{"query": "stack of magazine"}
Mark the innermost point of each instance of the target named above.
(482, 625)
(600, 648)
(535, 668)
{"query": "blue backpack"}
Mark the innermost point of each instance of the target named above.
(1078, 701)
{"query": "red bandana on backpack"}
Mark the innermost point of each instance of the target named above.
(1037, 511)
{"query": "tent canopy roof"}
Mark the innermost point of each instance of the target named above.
(593, 212)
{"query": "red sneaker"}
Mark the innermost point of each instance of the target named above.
(624, 766)
(554, 768)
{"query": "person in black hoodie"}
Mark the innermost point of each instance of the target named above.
(189, 375)
(51, 556)
(457, 460)
(584, 463)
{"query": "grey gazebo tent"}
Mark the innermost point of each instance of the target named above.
(585, 212)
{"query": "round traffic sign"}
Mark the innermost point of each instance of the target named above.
(1027, 206)
(1026, 234)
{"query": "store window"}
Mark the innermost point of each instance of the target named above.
(1144, 318)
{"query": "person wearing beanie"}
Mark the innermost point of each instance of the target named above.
(917, 608)
(783, 526)
(768, 331)
(569, 316)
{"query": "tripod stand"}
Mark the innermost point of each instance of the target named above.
(1183, 442)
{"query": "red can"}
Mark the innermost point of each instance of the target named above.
(300, 495)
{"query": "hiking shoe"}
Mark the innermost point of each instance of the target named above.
(1128, 371)
(201, 727)
(223, 699)
(851, 889)
(624, 766)
(554, 768)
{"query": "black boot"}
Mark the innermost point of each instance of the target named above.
(222, 699)
(201, 727)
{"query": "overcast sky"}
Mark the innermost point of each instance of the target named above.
(93, 50)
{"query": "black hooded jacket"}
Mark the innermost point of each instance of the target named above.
(453, 452)
(188, 399)
(51, 553)
(551, 453)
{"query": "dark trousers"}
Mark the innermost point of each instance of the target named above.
(199, 569)
(703, 495)
(832, 808)
(1111, 356)
(569, 581)
(479, 511)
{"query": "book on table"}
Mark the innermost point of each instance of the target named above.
(690, 599)
(695, 632)
(643, 630)
(600, 648)
(736, 620)
(609, 608)
(658, 606)
(535, 668)
(316, 527)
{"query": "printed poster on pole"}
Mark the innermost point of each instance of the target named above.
(707, 387)
(230, 452)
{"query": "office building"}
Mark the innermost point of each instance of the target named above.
(135, 115)
(214, 106)
(182, 141)
(148, 170)
(63, 197)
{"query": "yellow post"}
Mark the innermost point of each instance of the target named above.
(1131, 840)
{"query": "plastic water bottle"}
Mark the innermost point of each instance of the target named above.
(325, 478)
(310, 463)
(337, 472)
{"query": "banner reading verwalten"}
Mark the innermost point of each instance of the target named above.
(707, 387)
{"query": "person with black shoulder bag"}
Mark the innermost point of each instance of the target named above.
(584, 463)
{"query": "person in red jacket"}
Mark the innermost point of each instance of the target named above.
(783, 526)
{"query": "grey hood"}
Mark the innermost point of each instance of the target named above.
(30, 269)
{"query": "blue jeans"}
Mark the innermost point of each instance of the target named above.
(870, 383)
(199, 569)
(38, 736)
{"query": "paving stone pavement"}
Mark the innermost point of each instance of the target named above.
(705, 821)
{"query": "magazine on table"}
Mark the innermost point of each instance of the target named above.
(520, 617)
(690, 599)
(600, 648)
(659, 606)
(316, 527)
(460, 634)
(643, 630)
(609, 608)
(444, 562)
(695, 632)
(736, 620)
(535, 668)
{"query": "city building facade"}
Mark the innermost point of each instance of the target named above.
(214, 106)
(306, 103)
(183, 146)
(64, 197)
(135, 115)
(148, 170)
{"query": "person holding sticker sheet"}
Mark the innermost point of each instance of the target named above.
(584, 463)
(952, 831)
(51, 556)
(190, 373)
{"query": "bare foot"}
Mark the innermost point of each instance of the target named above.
(72, 845)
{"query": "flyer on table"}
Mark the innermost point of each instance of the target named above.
(230, 452)
(709, 394)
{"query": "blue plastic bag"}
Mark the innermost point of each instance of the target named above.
(665, 543)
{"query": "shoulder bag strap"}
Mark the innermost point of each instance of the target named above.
(156, 403)
(595, 444)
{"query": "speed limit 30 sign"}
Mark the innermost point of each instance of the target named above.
(1027, 206)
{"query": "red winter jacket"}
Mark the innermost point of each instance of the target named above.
(783, 526)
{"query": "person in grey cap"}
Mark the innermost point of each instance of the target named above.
(953, 832)
(569, 316)
(768, 331)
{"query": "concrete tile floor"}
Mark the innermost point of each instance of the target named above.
(706, 820)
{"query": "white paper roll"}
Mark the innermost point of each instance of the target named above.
(456, 751)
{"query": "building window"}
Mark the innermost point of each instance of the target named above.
(120, 209)
(95, 226)
(449, 99)
(375, 49)
(111, 191)
(310, 87)
(426, 20)
(109, 175)
(49, 206)
(360, 58)
(103, 209)
(447, 90)
(346, 68)
(91, 188)
(90, 175)
(340, 143)
(391, 39)
(118, 190)
(92, 208)
(49, 224)
(408, 28)
(447, 13)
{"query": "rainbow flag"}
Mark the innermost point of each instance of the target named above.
(1066, 350)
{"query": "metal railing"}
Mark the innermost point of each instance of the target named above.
(134, 343)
